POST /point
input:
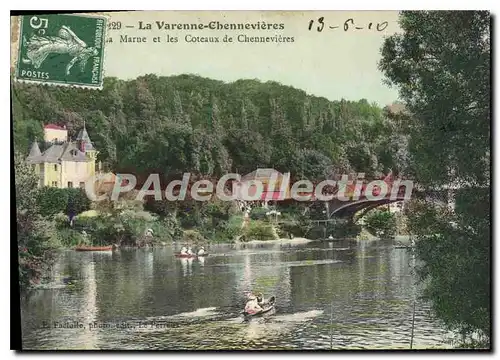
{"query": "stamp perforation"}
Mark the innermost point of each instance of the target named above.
(63, 83)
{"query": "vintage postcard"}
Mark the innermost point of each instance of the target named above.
(252, 180)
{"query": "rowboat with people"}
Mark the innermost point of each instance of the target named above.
(264, 306)
(188, 253)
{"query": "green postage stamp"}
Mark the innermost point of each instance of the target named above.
(61, 49)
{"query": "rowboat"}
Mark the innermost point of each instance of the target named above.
(267, 308)
(186, 256)
(260, 313)
(94, 248)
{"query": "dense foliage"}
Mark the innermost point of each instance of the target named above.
(441, 66)
(69, 201)
(191, 124)
(381, 223)
(186, 123)
(125, 223)
(35, 234)
(260, 230)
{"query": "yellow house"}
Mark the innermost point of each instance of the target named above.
(65, 163)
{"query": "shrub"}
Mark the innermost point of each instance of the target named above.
(343, 229)
(52, 201)
(192, 236)
(162, 232)
(259, 230)
(36, 235)
(61, 220)
(132, 215)
(37, 240)
(128, 227)
(258, 213)
(226, 231)
(70, 237)
(217, 209)
(381, 223)
(233, 227)
(298, 227)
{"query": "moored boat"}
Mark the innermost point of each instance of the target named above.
(94, 248)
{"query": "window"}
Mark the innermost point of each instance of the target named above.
(54, 183)
(55, 167)
(82, 184)
(70, 184)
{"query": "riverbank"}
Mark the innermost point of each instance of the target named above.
(283, 241)
(294, 241)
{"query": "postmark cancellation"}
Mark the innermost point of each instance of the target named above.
(61, 49)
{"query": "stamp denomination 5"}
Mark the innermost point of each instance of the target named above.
(61, 49)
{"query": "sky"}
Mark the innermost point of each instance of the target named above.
(332, 63)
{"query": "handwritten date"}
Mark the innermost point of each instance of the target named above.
(348, 25)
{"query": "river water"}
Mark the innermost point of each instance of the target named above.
(339, 295)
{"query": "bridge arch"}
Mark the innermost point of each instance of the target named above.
(352, 207)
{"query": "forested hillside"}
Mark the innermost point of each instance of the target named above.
(189, 123)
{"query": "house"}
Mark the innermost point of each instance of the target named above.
(265, 176)
(65, 162)
(55, 133)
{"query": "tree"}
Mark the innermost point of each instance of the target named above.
(281, 133)
(34, 233)
(441, 66)
(381, 223)
(310, 164)
(51, 201)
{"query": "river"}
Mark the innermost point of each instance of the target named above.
(339, 295)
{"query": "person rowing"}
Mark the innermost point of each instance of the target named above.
(190, 251)
(260, 299)
(252, 306)
(201, 252)
(184, 250)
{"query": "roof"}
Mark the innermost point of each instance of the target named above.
(35, 150)
(274, 195)
(59, 152)
(261, 174)
(54, 127)
(85, 138)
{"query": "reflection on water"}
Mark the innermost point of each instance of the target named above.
(342, 295)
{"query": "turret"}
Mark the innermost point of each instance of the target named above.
(35, 150)
(85, 144)
(83, 140)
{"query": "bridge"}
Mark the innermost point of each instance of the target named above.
(363, 203)
(368, 199)
(358, 198)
